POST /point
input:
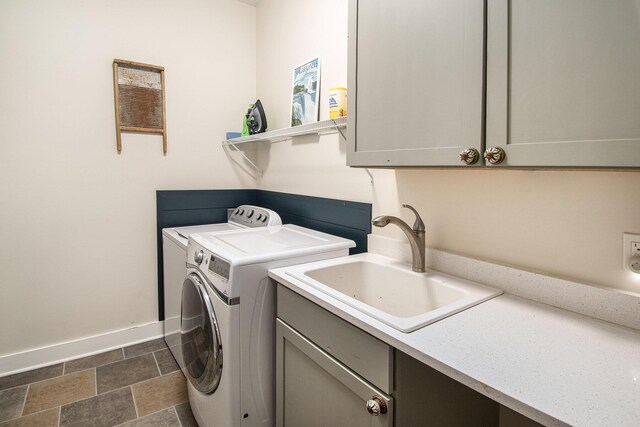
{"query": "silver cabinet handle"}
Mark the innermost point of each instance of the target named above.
(469, 156)
(376, 406)
(495, 155)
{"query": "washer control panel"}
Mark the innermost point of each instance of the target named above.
(254, 216)
(215, 269)
(219, 266)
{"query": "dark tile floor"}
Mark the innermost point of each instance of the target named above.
(136, 386)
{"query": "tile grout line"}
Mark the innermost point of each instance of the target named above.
(93, 367)
(92, 397)
(96, 382)
(11, 388)
(164, 346)
(86, 398)
(30, 415)
(150, 414)
(159, 410)
(47, 379)
(157, 364)
(24, 401)
(133, 397)
(64, 367)
(44, 409)
(130, 385)
(144, 380)
(175, 408)
(34, 382)
(124, 360)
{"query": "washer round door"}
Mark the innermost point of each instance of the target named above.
(200, 336)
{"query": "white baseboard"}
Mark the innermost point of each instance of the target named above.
(61, 352)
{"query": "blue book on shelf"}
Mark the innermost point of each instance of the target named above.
(231, 135)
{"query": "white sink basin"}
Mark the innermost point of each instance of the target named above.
(390, 291)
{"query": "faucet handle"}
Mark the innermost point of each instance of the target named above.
(418, 225)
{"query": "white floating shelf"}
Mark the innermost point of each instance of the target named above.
(318, 128)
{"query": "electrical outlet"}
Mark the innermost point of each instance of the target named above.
(631, 248)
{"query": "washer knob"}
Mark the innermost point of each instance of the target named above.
(250, 213)
(199, 257)
(259, 217)
(264, 218)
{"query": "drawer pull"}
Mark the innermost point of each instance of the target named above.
(376, 406)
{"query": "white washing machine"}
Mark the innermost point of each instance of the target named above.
(228, 318)
(174, 248)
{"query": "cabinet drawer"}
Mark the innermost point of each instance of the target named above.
(338, 397)
(362, 353)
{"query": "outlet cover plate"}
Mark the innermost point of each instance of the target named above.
(628, 240)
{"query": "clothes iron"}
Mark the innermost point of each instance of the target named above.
(255, 121)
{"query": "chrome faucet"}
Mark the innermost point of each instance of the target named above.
(416, 235)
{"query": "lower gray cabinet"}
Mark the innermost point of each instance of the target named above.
(315, 390)
(328, 372)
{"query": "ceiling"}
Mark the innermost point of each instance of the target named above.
(251, 2)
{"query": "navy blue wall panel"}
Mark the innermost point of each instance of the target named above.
(177, 208)
(351, 220)
(204, 199)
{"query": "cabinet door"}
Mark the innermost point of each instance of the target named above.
(563, 82)
(415, 81)
(315, 390)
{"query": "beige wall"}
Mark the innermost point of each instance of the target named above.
(77, 220)
(565, 223)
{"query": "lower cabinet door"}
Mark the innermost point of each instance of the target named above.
(315, 390)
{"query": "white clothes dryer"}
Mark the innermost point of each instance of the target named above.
(228, 318)
(174, 248)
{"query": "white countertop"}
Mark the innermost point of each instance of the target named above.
(552, 365)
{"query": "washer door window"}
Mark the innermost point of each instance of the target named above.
(200, 337)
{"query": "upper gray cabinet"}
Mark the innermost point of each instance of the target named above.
(415, 81)
(563, 82)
